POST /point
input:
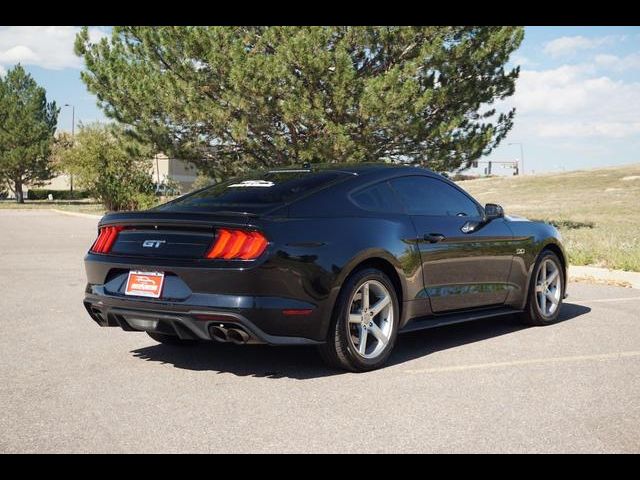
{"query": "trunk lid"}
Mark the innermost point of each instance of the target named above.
(171, 234)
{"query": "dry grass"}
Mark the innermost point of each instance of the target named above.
(71, 205)
(597, 211)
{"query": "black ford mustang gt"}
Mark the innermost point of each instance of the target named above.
(344, 258)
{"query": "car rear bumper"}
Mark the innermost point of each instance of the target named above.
(188, 322)
(276, 304)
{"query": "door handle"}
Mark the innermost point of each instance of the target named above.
(433, 237)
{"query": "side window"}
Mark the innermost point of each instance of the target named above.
(378, 198)
(429, 196)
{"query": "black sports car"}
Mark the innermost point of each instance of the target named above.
(343, 257)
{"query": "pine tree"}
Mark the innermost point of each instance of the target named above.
(27, 126)
(232, 98)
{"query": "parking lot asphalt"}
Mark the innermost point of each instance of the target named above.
(67, 385)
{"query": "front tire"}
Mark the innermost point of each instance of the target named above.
(171, 339)
(364, 327)
(546, 290)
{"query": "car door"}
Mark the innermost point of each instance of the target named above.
(465, 261)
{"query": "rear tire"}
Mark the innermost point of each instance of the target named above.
(171, 339)
(364, 326)
(546, 291)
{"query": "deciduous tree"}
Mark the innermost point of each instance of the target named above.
(112, 167)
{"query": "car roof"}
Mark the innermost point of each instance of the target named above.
(342, 176)
(359, 168)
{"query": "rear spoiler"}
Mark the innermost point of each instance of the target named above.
(177, 218)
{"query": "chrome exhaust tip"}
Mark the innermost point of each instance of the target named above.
(237, 336)
(219, 334)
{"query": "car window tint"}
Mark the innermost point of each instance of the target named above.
(429, 196)
(378, 198)
(260, 189)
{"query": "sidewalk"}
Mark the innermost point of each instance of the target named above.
(604, 275)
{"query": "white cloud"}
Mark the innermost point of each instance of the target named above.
(589, 129)
(619, 64)
(606, 60)
(2, 71)
(573, 101)
(523, 61)
(16, 54)
(46, 47)
(552, 91)
(566, 45)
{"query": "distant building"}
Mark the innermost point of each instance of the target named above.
(179, 171)
(162, 168)
(60, 182)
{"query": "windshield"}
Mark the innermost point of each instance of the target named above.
(255, 191)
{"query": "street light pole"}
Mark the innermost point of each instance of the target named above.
(73, 137)
(521, 154)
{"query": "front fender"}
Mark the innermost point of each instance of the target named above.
(532, 238)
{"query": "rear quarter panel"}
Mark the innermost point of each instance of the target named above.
(313, 256)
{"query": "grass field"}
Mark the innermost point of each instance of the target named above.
(597, 211)
(70, 205)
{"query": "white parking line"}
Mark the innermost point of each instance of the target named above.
(479, 366)
(75, 214)
(621, 299)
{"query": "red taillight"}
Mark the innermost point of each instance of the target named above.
(297, 311)
(106, 239)
(232, 244)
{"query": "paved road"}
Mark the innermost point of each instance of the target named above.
(67, 385)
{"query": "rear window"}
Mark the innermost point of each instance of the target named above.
(265, 189)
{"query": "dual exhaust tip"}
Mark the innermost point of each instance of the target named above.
(233, 335)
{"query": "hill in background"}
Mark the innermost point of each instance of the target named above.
(597, 211)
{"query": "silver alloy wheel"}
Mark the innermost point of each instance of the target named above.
(548, 287)
(370, 319)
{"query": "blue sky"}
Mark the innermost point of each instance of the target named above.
(577, 98)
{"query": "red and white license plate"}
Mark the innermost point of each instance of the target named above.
(144, 284)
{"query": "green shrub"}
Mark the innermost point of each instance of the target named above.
(43, 194)
(112, 166)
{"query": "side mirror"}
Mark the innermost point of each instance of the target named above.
(493, 210)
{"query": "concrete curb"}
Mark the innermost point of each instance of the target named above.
(76, 214)
(604, 275)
